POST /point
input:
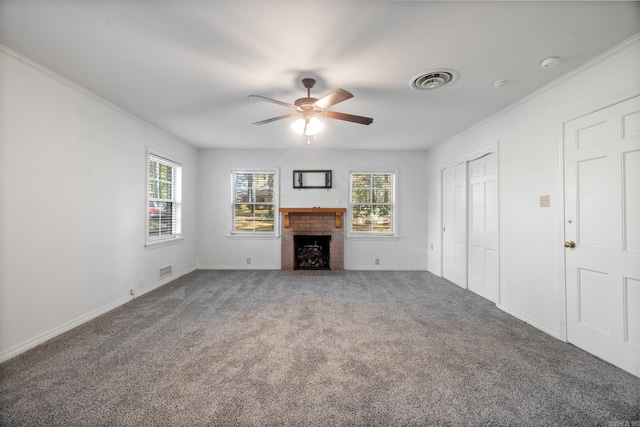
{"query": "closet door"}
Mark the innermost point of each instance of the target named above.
(454, 224)
(483, 227)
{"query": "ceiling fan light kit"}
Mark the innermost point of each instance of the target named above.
(307, 126)
(307, 109)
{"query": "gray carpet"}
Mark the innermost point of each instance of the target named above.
(359, 348)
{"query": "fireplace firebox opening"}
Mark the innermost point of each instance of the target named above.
(312, 252)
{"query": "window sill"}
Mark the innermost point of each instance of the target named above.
(253, 236)
(372, 237)
(163, 242)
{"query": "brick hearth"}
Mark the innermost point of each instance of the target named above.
(310, 222)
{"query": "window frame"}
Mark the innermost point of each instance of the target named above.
(176, 200)
(394, 205)
(276, 202)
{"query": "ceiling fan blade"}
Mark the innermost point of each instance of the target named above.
(348, 117)
(333, 98)
(275, 101)
(273, 119)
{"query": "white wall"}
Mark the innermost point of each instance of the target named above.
(218, 250)
(72, 220)
(529, 139)
(72, 195)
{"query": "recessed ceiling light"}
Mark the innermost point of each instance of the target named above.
(500, 83)
(433, 79)
(550, 62)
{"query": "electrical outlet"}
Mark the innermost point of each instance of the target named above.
(545, 201)
(248, 260)
(130, 291)
(377, 261)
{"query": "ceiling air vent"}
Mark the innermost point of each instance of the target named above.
(433, 79)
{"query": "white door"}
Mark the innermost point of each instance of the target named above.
(454, 224)
(602, 220)
(483, 227)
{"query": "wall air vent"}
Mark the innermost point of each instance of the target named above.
(433, 79)
(165, 271)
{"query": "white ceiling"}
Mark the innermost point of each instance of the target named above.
(188, 66)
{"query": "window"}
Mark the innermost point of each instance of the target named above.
(254, 202)
(372, 203)
(163, 199)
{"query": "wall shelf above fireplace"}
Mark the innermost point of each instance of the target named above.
(337, 211)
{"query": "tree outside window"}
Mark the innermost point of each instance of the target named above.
(372, 202)
(254, 201)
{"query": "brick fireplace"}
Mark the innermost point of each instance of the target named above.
(312, 222)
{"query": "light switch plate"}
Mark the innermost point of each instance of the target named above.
(545, 201)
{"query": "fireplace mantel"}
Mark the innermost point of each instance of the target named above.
(337, 211)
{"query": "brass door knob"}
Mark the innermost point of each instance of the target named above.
(569, 244)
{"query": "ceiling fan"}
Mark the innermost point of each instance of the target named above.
(308, 108)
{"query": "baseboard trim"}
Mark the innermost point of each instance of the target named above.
(271, 267)
(385, 268)
(238, 267)
(52, 333)
(528, 320)
(163, 282)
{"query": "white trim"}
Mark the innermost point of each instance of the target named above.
(385, 268)
(394, 207)
(50, 73)
(603, 104)
(499, 214)
(372, 236)
(266, 236)
(530, 321)
(162, 282)
(562, 291)
(67, 326)
(567, 76)
(164, 242)
(52, 333)
(277, 268)
(561, 253)
(275, 234)
(466, 158)
(161, 157)
(256, 234)
(238, 267)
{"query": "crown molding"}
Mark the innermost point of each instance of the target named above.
(567, 76)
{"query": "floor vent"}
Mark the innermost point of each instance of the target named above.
(165, 271)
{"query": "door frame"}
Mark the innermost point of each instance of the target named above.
(466, 158)
(592, 108)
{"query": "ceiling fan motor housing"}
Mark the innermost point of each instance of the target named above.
(306, 103)
(308, 107)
